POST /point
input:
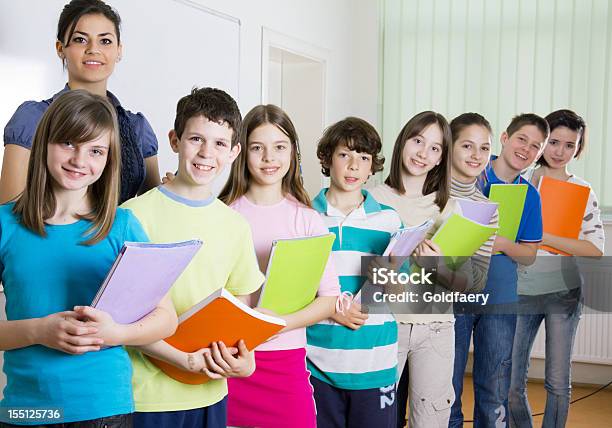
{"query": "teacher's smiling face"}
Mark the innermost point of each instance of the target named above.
(91, 52)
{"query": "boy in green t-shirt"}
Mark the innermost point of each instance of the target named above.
(205, 138)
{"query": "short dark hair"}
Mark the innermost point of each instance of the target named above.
(357, 135)
(523, 119)
(74, 10)
(570, 120)
(212, 103)
(464, 120)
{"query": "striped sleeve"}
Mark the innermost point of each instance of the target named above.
(482, 259)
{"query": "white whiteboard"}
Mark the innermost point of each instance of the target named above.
(169, 46)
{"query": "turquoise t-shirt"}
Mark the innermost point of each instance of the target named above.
(45, 275)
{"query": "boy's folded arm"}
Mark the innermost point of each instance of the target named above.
(575, 247)
(321, 308)
(161, 350)
(521, 252)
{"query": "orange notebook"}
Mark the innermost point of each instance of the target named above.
(563, 206)
(219, 317)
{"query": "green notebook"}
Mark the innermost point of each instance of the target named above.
(294, 272)
(511, 200)
(459, 238)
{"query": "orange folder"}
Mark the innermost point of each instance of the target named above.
(563, 206)
(219, 317)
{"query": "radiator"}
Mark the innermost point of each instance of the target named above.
(593, 342)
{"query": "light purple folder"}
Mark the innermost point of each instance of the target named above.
(404, 242)
(480, 212)
(141, 275)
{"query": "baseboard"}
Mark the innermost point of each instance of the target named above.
(586, 374)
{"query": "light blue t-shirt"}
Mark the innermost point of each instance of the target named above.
(45, 275)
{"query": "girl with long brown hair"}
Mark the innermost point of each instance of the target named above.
(418, 188)
(58, 241)
(265, 186)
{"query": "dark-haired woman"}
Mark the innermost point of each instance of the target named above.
(550, 289)
(89, 45)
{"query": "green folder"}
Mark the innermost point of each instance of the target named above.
(511, 200)
(294, 272)
(459, 238)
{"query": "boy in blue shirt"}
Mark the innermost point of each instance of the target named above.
(522, 143)
(353, 356)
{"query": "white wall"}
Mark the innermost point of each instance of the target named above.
(330, 25)
(365, 61)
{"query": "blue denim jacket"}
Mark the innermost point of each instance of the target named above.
(137, 138)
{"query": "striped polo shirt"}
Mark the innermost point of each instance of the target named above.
(365, 358)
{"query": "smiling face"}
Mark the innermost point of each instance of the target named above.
(522, 148)
(423, 151)
(75, 166)
(92, 51)
(268, 155)
(204, 150)
(562, 147)
(471, 153)
(349, 169)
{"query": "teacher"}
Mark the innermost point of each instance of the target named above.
(89, 45)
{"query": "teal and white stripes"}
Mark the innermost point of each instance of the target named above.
(364, 358)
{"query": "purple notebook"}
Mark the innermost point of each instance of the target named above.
(404, 242)
(141, 276)
(480, 212)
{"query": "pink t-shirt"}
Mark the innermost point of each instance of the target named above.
(286, 219)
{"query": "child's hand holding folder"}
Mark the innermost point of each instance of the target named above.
(352, 317)
(428, 255)
(107, 330)
(64, 332)
(222, 363)
(501, 244)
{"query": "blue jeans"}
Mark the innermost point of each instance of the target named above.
(561, 314)
(493, 340)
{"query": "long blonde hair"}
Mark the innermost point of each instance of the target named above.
(76, 116)
(240, 177)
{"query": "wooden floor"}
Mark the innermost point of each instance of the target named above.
(592, 412)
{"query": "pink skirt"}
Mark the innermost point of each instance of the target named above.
(277, 395)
